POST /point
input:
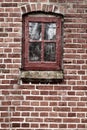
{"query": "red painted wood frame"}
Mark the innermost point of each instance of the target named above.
(41, 65)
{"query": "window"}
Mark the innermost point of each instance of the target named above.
(42, 43)
(42, 48)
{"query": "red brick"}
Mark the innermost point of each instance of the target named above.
(84, 99)
(81, 103)
(62, 87)
(62, 103)
(34, 98)
(13, 55)
(81, 126)
(7, 60)
(44, 87)
(79, 87)
(71, 114)
(62, 125)
(3, 34)
(43, 1)
(44, 92)
(53, 104)
(44, 114)
(9, 10)
(63, 109)
(43, 125)
(53, 114)
(34, 125)
(6, 103)
(52, 0)
(33, 7)
(28, 87)
(34, 103)
(3, 14)
(16, 103)
(1, 120)
(34, 114)
(3, 108)
(39, 7)
(72, 98)
(52, 98)
(1, 29)
(71, 120)
(44, 7)
(53, 120)
(79, 109)
(23, 9)
(25, 125)
(2, 76)
(2, 65)
(16, 119)
(15, 125)
(25, 109)
(84, 121)
(25, 114)
(9, 4)
(53, 125)
(34, 120)
(28, 8)
(71, 103)
(33, 0)
(43, 109)
(71, 93)
(8, 29)
(82, 115)
(50, 8)
(44, 103)
(71, 125)
(4, 114)
(5, 81)
(4, 125)
(16, 9)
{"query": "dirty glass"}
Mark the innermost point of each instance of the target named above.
(35, 51)
(34, 31)
(49, 51)
(50, 31)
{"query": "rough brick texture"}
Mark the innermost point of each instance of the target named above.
(43, 106)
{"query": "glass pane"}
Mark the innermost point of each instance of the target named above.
(49, 51)
(34, 31)
(50, 31)
(35, 51)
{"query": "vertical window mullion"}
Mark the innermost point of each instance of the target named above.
(42, 46)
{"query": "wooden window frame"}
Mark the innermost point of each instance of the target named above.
(41, 65)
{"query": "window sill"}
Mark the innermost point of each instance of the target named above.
(42, 76)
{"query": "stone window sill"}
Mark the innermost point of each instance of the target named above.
(42, 76)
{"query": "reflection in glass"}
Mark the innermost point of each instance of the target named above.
(49, 51)
(35, 31)
(35, 51)
(50, 31)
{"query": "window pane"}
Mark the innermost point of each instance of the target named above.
(50, 31)
(49, 51)
(35, 51)
(34, 31)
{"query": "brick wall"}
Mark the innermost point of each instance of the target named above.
(43, 106)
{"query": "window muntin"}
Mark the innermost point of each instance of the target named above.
(42, 43)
